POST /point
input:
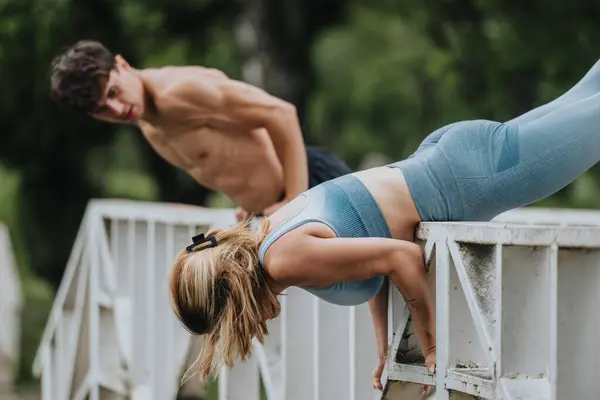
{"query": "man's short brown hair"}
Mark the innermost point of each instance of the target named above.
(79, 75)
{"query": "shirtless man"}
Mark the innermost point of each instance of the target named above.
(229, 136)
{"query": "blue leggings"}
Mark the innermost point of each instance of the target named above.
(475, 170)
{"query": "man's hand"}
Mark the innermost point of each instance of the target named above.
(378, 371)
(270, 210)
(241, 214)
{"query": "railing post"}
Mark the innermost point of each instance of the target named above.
(363, 354)
(443, 294)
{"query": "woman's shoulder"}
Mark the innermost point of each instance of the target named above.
(285, 255)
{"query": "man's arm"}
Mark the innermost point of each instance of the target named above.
(279, 118)
(253, 108)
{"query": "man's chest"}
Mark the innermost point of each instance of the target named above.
(199, 143)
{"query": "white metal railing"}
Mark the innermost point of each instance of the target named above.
(11, 301)
(516, 306)
(111, 330)
(515, 302)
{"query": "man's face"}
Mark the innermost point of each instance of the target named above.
(123, 98)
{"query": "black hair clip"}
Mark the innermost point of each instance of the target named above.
(200, 239)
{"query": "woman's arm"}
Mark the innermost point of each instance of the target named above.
(378, 306)
(305, 260)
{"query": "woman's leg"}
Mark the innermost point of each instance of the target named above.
(562, 144)
(498, 168)
(586, 87)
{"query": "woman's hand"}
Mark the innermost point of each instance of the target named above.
(378, 371)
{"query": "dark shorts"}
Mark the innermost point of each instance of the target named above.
(323, 166)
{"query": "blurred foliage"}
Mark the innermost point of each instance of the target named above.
(366, 77)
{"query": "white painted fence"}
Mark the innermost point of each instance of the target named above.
(11, 302)
(111, 333)
(516, 316)
(517, 309)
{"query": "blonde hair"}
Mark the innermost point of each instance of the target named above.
(222, 293)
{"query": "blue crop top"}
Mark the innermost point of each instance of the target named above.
(347, 207)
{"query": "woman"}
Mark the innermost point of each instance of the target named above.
(341, 239)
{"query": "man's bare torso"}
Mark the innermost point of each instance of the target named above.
(219, 152)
